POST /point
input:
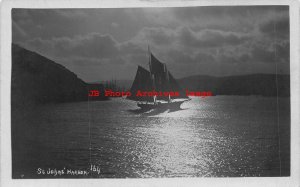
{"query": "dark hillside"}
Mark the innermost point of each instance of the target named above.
(255, 84)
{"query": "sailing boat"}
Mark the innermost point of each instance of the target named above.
(158, 79)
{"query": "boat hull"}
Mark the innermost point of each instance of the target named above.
(171, 106)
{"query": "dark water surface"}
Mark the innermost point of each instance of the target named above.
(222, 136)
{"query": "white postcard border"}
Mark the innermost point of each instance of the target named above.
(6, 35)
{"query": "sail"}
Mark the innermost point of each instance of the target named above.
(159, 76)
(156, 67)
(141, 82)
(174, 86)
(163, 79)
(158, 79)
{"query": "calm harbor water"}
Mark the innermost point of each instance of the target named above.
(222, 136)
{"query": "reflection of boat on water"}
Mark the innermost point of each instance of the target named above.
(158, 79)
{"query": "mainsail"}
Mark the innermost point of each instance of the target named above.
(158, 71)
(163, 79)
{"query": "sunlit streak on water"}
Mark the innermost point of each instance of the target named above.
(215, 136)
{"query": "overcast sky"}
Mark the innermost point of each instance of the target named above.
(100, 44)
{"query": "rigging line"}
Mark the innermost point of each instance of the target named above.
(277, 100)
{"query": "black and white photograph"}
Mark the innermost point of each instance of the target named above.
(150, 92)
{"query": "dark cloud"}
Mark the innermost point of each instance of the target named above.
(158, 36)
(263, 55)
(46, 23)
(204, 57)
(234, 59)
(130, 48)
(276, 53)
(211, 38)
(279, 27)
(93, 45)
(99, 43)
(123, 24)
(179, 57)
(283, 52)
(220, 12)
(17, 32)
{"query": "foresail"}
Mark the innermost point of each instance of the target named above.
(141, 82)
(174, 85)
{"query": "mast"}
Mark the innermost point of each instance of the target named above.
(151, 74)
(168, 82)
